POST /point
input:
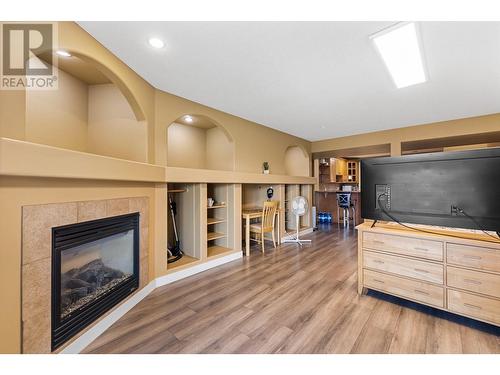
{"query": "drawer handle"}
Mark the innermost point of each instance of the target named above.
(378, 242)
(378, 281)
(421, 270)
(473, 306)
(421, 248)
(421, 292)
(378, 261)
(476, 257)
(471, 281)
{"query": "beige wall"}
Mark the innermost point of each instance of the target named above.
(220, 150)
(186, 146)
(58, 117)
(12, 114)
(253, 143)
(461, 127)
(112, 127)
(297, 162)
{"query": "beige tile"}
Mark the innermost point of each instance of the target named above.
(38, 222)
(115, 207)
(36, 287)
(144, 242)
(141, 205)
(36, 334)
(91, 210)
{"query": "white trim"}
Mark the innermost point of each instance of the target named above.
(181, 274)
(86, 339)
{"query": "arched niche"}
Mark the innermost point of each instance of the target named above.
(297, 162)
(196, 141)
(92, 110)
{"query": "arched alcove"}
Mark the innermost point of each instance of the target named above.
(297, 161)
(91, 110)
(196, 141)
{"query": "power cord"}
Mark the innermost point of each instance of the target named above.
(428, 231)
(461, 210)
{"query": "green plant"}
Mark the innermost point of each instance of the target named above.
(265, 165)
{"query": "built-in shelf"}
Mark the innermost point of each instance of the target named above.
(218, 206)
(214, 251)
(177, 191)
(215, 220)
(185, 260)
(215, 235)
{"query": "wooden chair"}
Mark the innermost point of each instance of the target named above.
(266, 224)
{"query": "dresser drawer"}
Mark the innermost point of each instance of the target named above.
(474, 281)
(415, 290)
(479, 307)
(416, 269)
(416, 247)
(482, 258)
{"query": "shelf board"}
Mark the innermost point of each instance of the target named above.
(177, 191)
(215, 235)
(185, 260)
(213, 251)
(215, 220)
(218, 206)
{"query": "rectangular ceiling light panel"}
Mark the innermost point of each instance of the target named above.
(399, 47)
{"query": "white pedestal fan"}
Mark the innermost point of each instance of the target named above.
(299, 208)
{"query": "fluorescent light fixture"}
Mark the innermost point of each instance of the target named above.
(399, 47)
(63, 53)
(156, 43)
(188, 119)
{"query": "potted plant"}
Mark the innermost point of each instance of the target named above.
(265, 166)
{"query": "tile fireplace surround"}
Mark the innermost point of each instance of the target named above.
(37, 224)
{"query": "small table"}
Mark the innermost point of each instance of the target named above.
(254, 213)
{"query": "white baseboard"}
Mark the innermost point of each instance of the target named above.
(94, 332)
(301, 233)
(181, 274)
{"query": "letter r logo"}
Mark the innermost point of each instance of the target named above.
(22, 46)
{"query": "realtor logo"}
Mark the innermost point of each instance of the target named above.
(27, 59)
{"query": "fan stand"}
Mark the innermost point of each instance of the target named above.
(296, 239)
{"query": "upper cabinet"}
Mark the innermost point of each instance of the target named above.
(336, 171)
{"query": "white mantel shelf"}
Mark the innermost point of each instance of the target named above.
(26, 159)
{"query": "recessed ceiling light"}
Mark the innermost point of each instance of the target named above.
(156, 43)
(63, 53)
(188, 119)
(399, 47)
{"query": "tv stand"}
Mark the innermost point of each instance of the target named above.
(459, 275)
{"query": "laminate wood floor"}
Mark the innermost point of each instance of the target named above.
(289, 300)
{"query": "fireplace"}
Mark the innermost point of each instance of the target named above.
(95, 265)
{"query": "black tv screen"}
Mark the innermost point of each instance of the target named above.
(424, 188)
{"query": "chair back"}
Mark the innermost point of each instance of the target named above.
(344, 200)
(268, 214)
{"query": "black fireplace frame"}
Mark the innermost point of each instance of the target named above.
(69, 236)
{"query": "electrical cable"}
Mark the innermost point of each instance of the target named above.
(497, 240)
(461, 210)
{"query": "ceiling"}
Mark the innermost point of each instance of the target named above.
(315, 80)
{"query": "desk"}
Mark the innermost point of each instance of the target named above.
(254, 213)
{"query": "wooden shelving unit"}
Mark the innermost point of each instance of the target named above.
(215, 236)
(187, 200)
(218, 226)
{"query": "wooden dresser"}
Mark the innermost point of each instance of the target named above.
(453, 274)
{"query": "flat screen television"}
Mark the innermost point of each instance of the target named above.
(432, 188)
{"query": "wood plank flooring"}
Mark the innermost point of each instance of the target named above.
(289, 300)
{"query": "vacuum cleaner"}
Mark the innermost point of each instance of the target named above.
(174, 252)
